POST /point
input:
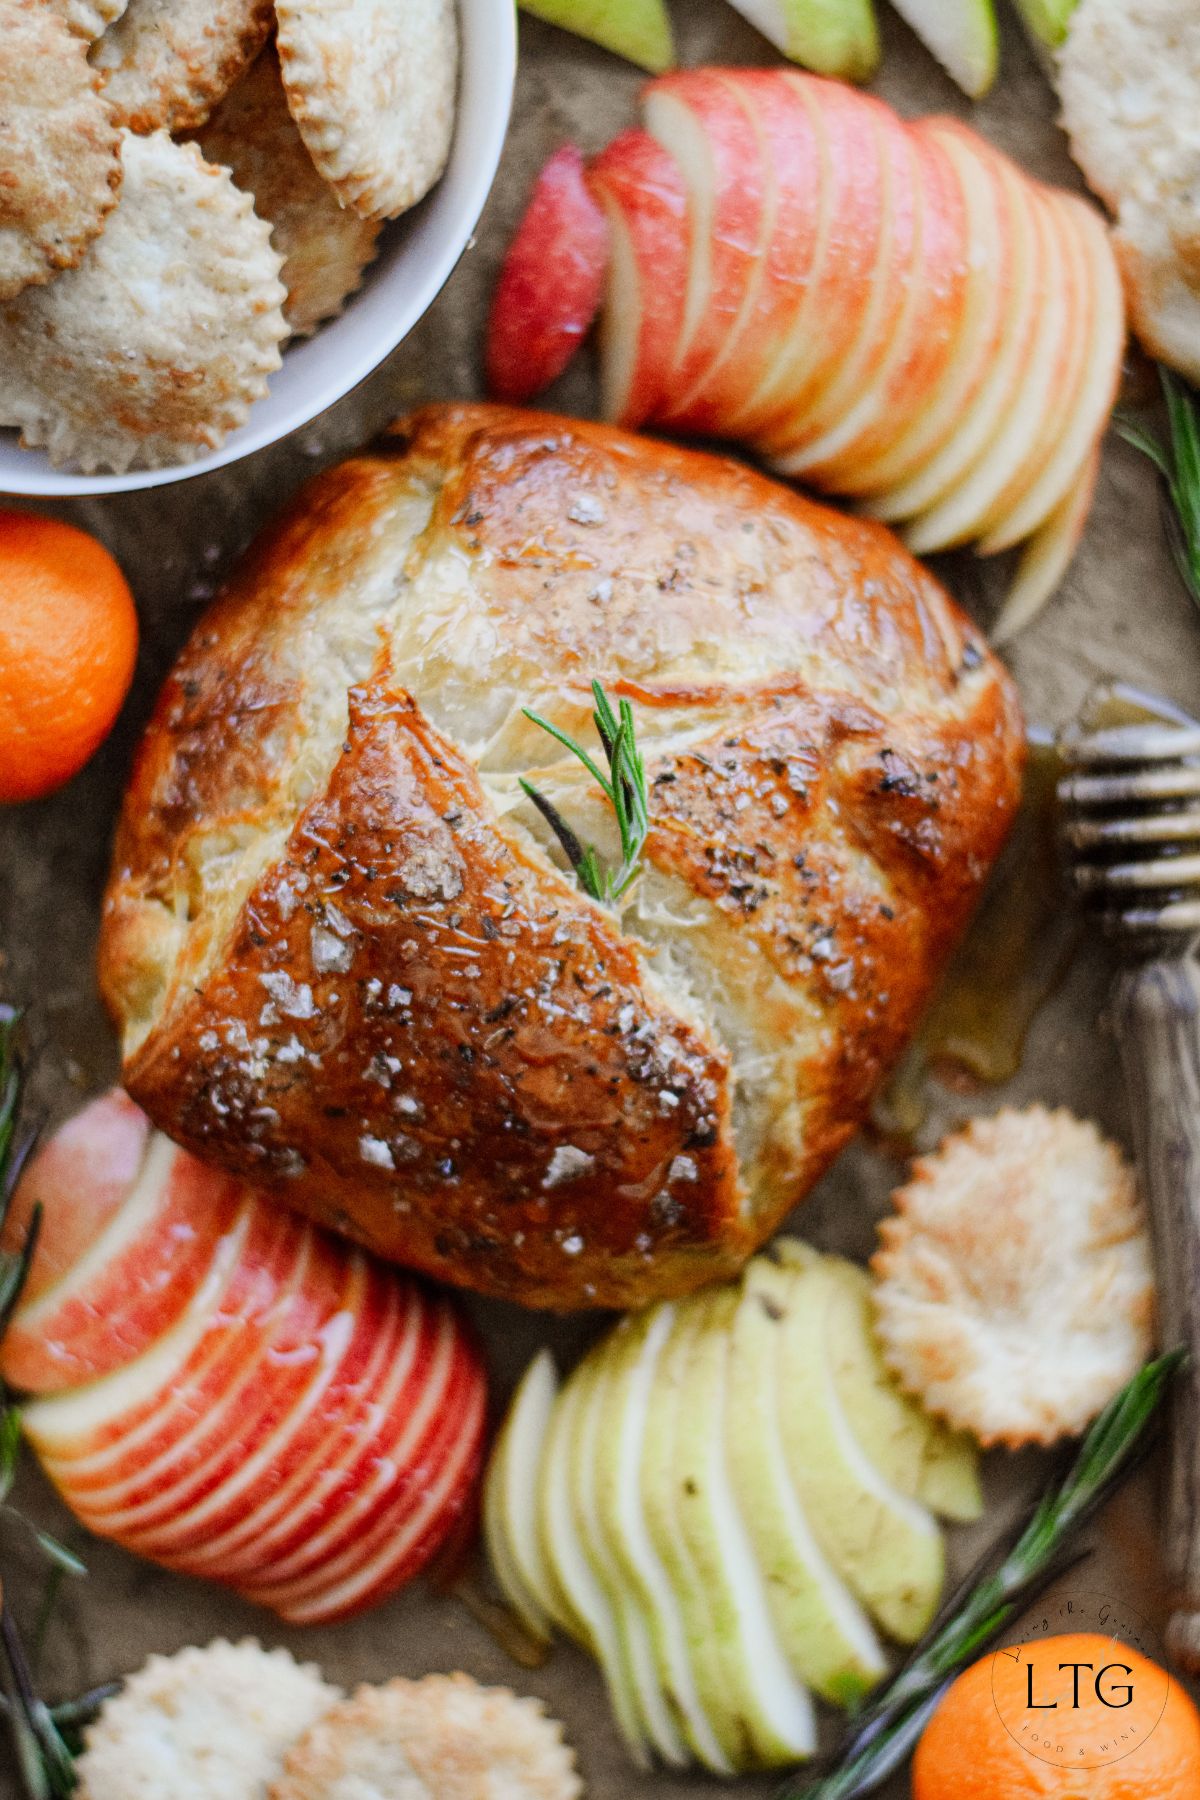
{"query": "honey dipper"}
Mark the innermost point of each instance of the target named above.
(1131, 826)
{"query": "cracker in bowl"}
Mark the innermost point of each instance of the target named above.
(207, 1724)
(1015, 1292)
(160, 341)
(372, 87)
(442, 1738)
(60, 152)
(325, 247)
(168, 62)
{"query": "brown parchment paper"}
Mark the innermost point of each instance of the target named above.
(1122, 613)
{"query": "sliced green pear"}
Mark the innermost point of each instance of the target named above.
(1048, 20)
(834, 37)
(885, 1546)
(765, 1708)
(827, 1635)
(633, 1354)
(589, 1618)
(636, 1665)
(638, 30)
(510, 1500)
(962, 34)
(911, 1450)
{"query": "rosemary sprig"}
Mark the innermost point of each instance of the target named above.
(625, 789)
(1179, 465)
(885, 1733)
(40, 1735)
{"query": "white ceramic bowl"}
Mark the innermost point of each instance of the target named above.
(419, 254)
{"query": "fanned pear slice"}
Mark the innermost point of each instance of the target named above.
(912, 1450)
(638, 30)
(510, 1499)
(632, 1355)
(764, 1702)
(834, 37)
(884, 1545)
(589, 1617)
(1048, 20)
(962, 34)
(634, 1652)
(829, 1638)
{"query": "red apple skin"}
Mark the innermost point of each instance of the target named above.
(306, 1426)
(643, 193)
(551, 283)
(69, 1331)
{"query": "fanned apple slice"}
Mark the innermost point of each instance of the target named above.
(379, 1520)
(645, 199)
(795, 153)
(928, 324)
(773, 1708)
(698, 407)
(1047, 556)
(551, 283)
(1042, 388)
(854, 126)
(1064, 394)
(885, 321)
(164, 1433)
(698, 120)
(510, 1503)
(832, 37)
(830, 1640)
(977, 427)
(590, 1618)
(633, 1353)
(987, 248)
(1102, 374)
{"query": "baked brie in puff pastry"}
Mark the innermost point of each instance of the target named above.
(343, 948)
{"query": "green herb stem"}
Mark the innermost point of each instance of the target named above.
(1178, 462)
(624, 787)
(885, 1734)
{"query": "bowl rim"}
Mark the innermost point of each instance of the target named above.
(45, 482)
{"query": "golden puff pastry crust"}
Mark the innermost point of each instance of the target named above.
(340, 944)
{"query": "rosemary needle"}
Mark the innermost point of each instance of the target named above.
(625, 789)
(1178, 462)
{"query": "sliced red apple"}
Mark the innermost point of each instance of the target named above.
(928, 328)
(824, 332)
(942, 474)
(885, 321)
(1103, 353)
(551, 283)
(1042, 387)
(1048, 555)
(645, 200)
(701, 122)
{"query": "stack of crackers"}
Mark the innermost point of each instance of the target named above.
(183, 185)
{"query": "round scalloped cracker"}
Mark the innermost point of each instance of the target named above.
(60, 153)
(325, 247)
(88, 18)
(372, 87)
(443, 1738)
(1015, 1294)
(168, 62)
(158, 344)
(202, 1725)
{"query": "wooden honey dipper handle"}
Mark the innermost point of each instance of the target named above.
(1157, 1014)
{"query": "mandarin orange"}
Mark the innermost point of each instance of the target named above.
(1078, 1717)
(68, 643)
